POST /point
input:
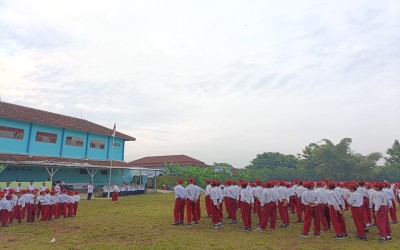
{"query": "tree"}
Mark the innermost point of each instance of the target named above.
(273, 160)
(394, 154)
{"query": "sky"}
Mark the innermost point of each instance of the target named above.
(217, 80)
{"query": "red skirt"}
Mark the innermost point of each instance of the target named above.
(114, 196)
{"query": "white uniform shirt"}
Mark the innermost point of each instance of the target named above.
(362, 191)
(300, 190)
(90, 188)
(332, 199)
(208, 189)
(380, 199)
(30, 187)
(215, 195)
(21, 201)
(267, 196)
(246, 196)
(309, 197)
(180, 192)
(282, 193)
(355, 199)
(322, 195)
(232, 192)
(193, 192)
(257, 192)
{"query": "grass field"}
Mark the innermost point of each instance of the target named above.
(144, 222)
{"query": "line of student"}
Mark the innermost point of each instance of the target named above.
(322, 202)
(37, 205)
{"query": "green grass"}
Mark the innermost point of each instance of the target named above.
(144, 222)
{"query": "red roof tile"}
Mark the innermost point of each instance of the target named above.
(156, 161)
(17, 112)
(32, 158)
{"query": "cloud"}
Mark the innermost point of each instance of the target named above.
(219, 81)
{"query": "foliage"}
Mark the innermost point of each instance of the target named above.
(272, 161)
(394, 154)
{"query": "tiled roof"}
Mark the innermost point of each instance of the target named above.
(157, 161)
(17, 112)
(35, 158)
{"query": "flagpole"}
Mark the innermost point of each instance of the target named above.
(111, 162)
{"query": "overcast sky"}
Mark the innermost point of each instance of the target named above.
(220, 81)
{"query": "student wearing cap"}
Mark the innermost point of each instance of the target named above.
(355, 201)
(247, 200)
(268, 201)
(220, 201)
(322, 207)
(62, 204)
(309, 199)
(300, 206)
(283, 199)
(257, 196)
(20, 206)
(388, 191)
(381, 204)
(336, 212)
(191, 200)
(30, 203)
(52, 205)
(14, 200)
(365, 208)
(31, 186)
(179, 208)
(6, 209)
(207, 198)
(215, 198)
(198, 204)
(232, 195)
(45, 202)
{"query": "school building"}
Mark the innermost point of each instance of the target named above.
(44, 146)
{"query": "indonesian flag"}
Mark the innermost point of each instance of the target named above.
(114, 130)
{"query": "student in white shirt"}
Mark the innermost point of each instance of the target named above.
(90, 190)
(179, 208)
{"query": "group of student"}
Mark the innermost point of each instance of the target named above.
(321, 202)
(123, 190)
(41, 204)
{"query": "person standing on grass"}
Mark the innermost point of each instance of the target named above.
(268, 201)
(232, 194)
(191, 200)
(208, 199)
(381, 204)
(257, 196)
(283, 200)
(179, 208)
(355, 201)
(322, 207)
(115, 193)
(247, 200)
(198, 203)
(336, 210)
(300, 206)
(310, 200)
(215, 199)
(90, 191)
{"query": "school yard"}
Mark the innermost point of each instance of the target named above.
(144, 222)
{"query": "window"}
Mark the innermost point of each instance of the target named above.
(11, 133)
(83, 171)
(103, 172)
(97, 144)
(46, 137)
(74, 141)
(116, 144)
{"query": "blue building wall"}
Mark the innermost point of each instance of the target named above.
(74, 151)
(8, 145)
(29, 145)
(69, 175)
(44, 148)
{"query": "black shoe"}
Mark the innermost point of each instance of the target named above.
(317, 235)
(344, 235)
(234, 222)
(196, 223)
(189, 225)
(304, 235)
(338, 237)
(362, 238)
(388, 238)
(176, 224)
(395, 222)
(382, 240)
